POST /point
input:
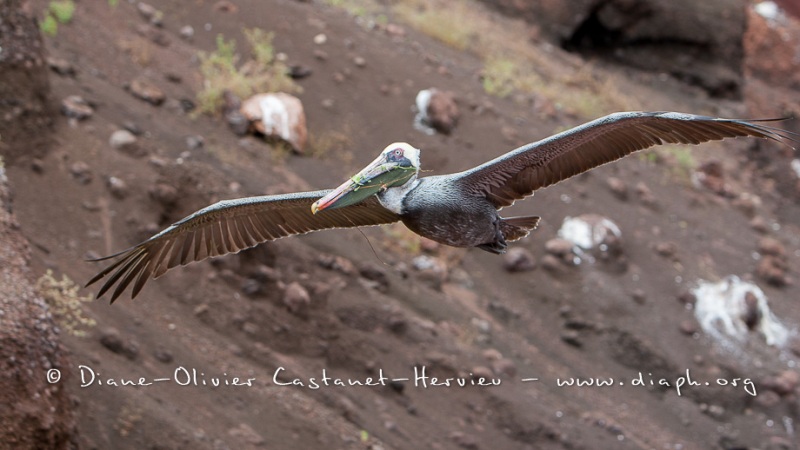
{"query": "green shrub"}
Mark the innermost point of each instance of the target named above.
(62, 10)
(221, 71)
(49, 25)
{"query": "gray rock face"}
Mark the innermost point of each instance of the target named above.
(25, 88)
(30, 351)
(700, 42)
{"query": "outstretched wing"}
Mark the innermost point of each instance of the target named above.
(230, 226)
(520, 172)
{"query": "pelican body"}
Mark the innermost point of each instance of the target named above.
(460, 209)
(436, 207)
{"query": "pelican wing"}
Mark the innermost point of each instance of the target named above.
(230, 226)
(520, 172)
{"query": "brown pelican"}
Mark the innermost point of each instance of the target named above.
(459, 209)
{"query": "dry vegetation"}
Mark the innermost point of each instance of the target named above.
(221, 71)
(66, 306)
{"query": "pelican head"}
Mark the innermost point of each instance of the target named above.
(397, 165)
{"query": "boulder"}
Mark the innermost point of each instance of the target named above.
(519, 259)
(732, 310)
(438, 110)
(592, 233)
(296, 298)
(699, 42)
(122, 139)
(76, 107)
(278, 116)
(147, 91)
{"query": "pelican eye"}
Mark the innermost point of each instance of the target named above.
(395, 155)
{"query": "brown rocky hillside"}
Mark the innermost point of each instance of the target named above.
(253, 348)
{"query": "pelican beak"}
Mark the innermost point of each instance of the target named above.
(378, 176)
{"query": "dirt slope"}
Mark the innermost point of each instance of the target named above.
(373, 314)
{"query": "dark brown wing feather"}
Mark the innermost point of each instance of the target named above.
(230, 226)
(519, 173)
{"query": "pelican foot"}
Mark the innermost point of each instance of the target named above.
(497, 247)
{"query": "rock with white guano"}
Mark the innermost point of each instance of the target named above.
(592, 232)
(278, 116)
(731, 309)
(437, 111)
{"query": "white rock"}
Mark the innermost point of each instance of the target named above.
(721, 309)
(278, 115)
(590, 231)
(436, 111)
(768, 10)
(796, 167)
(187, 32)
(121, 139)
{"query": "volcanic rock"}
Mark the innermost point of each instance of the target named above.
(60, 66)
(771, 246)
(187, 32)
(519, 259)
(144, 90)
(122, 140)
(783, 383)
(278, 116)
(296, 298)
(337, 263)
(645, 194)
(75, 107)
(150, 13)
(117, 187)
(618, 187)
(81, 172)
(558, 247)
(711, 175)
(772, 269)
(164, 193)
(594, 233)
(112, 340)
(437, 109)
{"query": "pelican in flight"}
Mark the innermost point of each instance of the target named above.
(459, 209)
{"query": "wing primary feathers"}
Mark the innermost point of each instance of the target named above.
(228, 227)
(217, 238)
(144, 275)
(506, 179)
(130, 273)
(125, 265)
